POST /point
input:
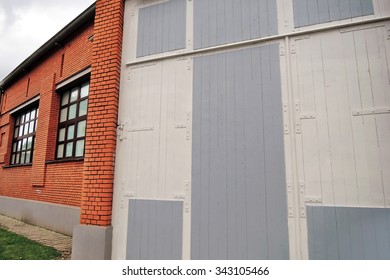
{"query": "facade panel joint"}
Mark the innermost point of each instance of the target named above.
(290, 199)
(302, 205)
(297, 118)
(372, 111)
(285, 118)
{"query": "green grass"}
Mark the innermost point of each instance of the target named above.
(16, 247)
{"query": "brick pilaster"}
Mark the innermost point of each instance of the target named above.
(98, 180)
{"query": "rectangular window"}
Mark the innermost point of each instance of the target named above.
(24, 136)
(72, 122)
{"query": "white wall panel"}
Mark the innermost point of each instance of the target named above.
(338, 77)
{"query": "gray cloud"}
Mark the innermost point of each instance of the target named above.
(16, 44)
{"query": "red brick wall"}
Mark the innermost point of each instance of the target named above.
(60, 182)
(98, 181)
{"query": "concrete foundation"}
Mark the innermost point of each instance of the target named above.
(92, 243)
(59, 218)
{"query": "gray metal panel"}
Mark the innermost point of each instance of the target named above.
(348, 233)
(254, 18)
(334, 10)
(227, 21)
(213, 23)
(323, 12)
(356, 8)
(221, 26)
(274, 155)
(345, 9)
(141, 27)
(367, 7)
(165, 25)
(312, 7)
(264, 18)
(196, 158)
(180, 24)
(272, 17)
(161, 28)
(308, 12)
(154, 230)
(153, 29)
(238, 184)
(229, 13)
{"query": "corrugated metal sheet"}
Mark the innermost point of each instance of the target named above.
(348, 233)
(161, 28)
(155, 230)
(309, 12)
(238, 183)
(221, 22)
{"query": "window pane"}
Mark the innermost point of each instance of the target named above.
(25, 129)
(19, 146)
(72, 111)
(22, 119)
(70, 132)
(37, 112)
(65, 98)
(14, 148)
(13, 159)
(63, 116)
(74, 94)
(31, 128)
(60, 151)
(21, 130)
(29, 143)
(28, 157)
(16, 132)
(69, 149)
(33, 114)
(80, 148)
(84, 90)
(27, 117)
(22, 158)
(18, 120)
(83, 108)
(81, 129)
(24, 144)
(17, 158)
(61, 136)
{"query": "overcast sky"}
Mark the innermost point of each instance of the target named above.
(25, 25)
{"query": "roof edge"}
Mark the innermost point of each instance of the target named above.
(64, 33)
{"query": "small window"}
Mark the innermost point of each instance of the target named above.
(24, 136)
(72, 122)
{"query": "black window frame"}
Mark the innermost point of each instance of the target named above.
(64, 141)
(22, 149)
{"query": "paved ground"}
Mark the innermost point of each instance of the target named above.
(53, 239)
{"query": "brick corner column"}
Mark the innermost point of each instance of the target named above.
(94, 233)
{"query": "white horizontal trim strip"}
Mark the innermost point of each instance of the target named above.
(24, 105)
(256, 41)
(73, 78)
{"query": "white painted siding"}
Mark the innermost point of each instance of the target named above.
(340, 76)
(335, 91)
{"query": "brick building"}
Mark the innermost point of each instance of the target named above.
(222, 129)
(58, 130)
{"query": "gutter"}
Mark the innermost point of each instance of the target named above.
(55, 41)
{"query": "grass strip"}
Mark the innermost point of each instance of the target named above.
(17, 247)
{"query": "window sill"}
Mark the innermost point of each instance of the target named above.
(64, 160)
(16, 165)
